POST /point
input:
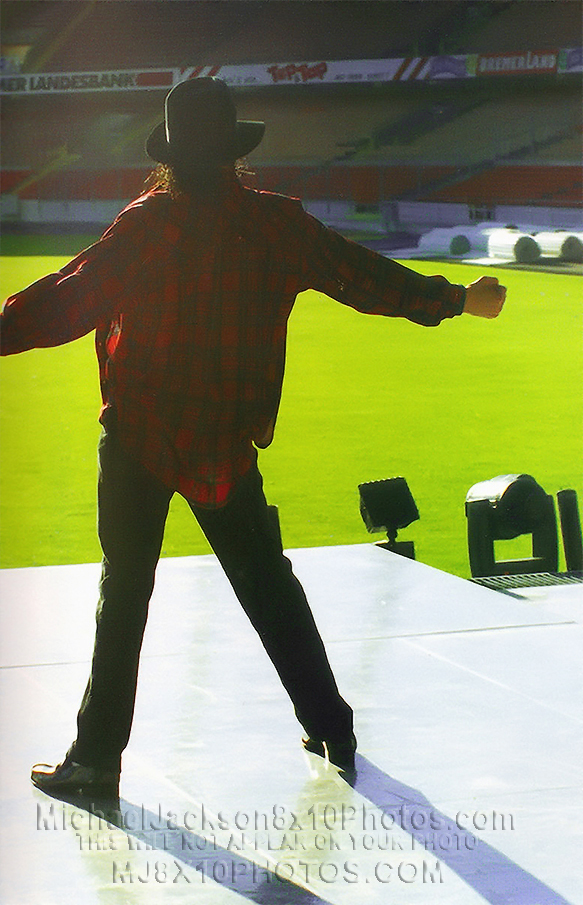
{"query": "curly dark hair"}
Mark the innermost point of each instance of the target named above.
(203, 182)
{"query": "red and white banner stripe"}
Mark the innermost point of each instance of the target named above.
(413, 68)
(195, 72)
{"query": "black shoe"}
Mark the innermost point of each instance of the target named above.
(341, 754)
(72, 777)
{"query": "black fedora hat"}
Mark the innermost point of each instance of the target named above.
(200, 127)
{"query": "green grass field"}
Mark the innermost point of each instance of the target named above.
(364, 398)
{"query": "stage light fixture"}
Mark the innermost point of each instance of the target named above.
(388, 505)
(571, 529)
(506, 507)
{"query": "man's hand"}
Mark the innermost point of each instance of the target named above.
(485, 297)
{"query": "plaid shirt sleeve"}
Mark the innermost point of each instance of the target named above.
(66, 305)
(369, 282)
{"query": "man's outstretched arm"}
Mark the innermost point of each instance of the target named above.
(66, 305)
(375, 284)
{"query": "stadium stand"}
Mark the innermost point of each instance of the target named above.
(515, 184)
(474, 142)
(545, 24)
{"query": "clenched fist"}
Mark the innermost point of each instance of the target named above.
(485, 297)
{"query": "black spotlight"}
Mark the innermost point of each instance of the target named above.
(387, 506)
(571, 529)
(506, 507)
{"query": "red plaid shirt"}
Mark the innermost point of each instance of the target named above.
(190, 304)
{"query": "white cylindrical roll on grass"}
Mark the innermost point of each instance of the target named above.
(561, 244)
(510, 243)
(444, 240)
(478, 235)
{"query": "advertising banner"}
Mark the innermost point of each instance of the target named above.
(314, 72)
(317, 72)
(528, 63)
(35, 83)
(570, 60)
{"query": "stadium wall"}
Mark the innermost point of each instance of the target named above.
(86, 195)
(419, 215)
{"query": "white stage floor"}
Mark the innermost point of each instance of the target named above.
(468, 715)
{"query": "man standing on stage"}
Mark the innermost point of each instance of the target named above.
(189, 292)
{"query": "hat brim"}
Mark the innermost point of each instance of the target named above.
(247, 136)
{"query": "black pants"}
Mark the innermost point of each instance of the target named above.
(133, 506)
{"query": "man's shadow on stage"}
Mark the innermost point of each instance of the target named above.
(493, 875)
